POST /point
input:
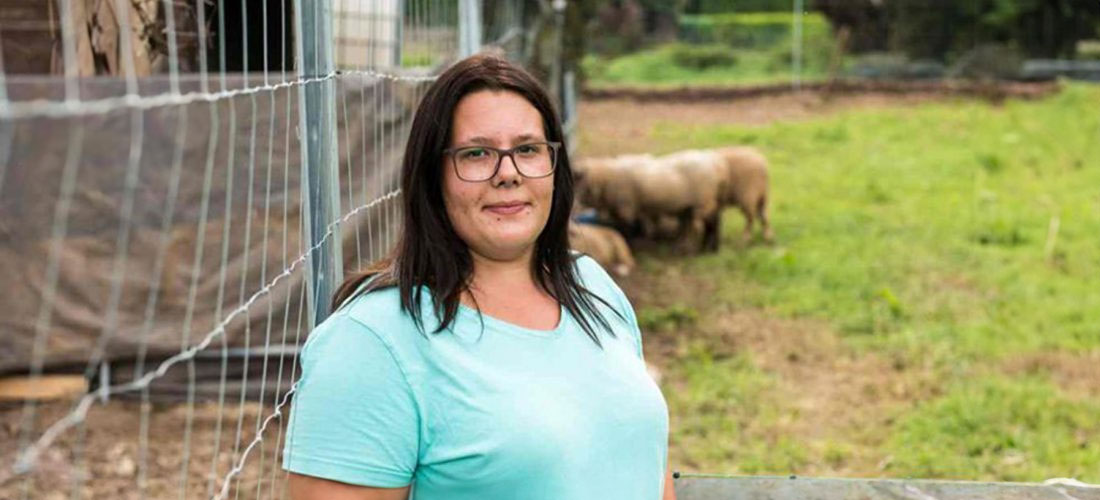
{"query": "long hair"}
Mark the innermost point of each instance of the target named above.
(429, 252)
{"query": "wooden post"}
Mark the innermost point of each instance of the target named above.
(44, 388)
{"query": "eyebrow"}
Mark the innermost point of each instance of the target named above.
(519, 139)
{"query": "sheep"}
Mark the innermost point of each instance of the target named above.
(633, 192)
(746, 187)
(607, 185)
(741, 181)
(704, 177)
(604, 244)
(682, 193)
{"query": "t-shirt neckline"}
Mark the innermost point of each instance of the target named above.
(508, 327)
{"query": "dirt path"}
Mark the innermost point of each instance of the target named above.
(621, 126)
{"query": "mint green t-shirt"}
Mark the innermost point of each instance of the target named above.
(500, 412)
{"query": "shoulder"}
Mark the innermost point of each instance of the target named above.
(379, 308)
(594, 277)
(343, 337)
(597, 280)
(373, 318)
(588, 269)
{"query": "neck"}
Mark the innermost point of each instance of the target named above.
(502, 274)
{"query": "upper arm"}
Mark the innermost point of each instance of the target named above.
(354, 418)
(313, 488)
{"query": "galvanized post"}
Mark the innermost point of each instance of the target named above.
(559, 84)
(569, 109)
(320, 177)
(796, 49)
(398, 32)
(469, 27)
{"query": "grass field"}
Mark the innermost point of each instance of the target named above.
(931, 307)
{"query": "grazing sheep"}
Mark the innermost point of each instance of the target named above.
(704, 176)
(680, 195)
(746, 187)
(604, 244)
(635, 192)
(665, 227)
(607, 185)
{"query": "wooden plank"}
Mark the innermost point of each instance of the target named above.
(27, 37)
(85, 64)
(46, 387)
(85, 61)
(691, 487)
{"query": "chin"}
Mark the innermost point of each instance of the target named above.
(511, 243)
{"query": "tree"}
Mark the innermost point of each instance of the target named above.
(944, 29)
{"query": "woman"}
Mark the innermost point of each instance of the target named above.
(482, 360)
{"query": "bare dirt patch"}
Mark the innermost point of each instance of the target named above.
(1078, 374)
(993, 91)
(103, 457)
(615, 126)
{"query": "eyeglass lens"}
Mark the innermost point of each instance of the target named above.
(477, 163)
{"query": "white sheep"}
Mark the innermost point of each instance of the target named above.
(680, 195)
(604, 244)
(608, 186)
(746, 187)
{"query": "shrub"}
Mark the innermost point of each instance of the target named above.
(751, 30)
(701, 57)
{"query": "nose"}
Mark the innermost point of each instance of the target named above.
(507, 172)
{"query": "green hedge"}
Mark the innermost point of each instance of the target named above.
(720, 6)
(751, 30)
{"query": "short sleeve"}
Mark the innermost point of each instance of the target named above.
(632, 319)
(595, 276)
(354, 418)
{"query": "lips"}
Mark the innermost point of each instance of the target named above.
(506, 208)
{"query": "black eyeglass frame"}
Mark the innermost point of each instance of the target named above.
(501, 153)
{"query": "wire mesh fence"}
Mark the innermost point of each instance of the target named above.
(175, 179)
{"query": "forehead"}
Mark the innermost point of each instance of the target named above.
(497, 116)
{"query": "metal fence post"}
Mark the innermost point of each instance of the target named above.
(320, 177)
(796, 49)
(399, 32)
(561, 79)
(469, 27)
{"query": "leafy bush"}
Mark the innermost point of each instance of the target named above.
(722, 6)
(752, 30)
(702, 57)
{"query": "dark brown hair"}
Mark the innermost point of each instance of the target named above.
(429, 253)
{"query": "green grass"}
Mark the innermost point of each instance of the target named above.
(921, 234)
(667, 318)
(931, 221)
(994, 429)
(726, 415)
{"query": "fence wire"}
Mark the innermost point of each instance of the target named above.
(155, 243)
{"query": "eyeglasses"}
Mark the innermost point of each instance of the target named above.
(481, 163)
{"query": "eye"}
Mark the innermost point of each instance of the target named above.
(529, 149)
(472, 153)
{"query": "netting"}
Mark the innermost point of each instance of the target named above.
(175, 177)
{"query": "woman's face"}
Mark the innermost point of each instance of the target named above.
(501, 218)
